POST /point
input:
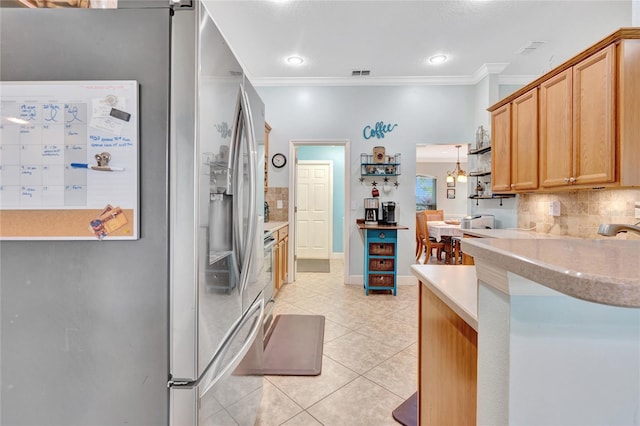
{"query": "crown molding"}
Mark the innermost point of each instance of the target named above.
(444, 80)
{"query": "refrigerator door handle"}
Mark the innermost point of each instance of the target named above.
(232, 182)
(236, 131)
(215, 360)
(253, 171)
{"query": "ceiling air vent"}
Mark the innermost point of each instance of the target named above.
(529, 47)
(358, 73)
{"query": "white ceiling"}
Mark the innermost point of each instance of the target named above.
(394, 38)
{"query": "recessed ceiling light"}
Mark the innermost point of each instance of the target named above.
(437, 59)
(295, 60)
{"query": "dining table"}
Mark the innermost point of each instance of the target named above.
(448, 232)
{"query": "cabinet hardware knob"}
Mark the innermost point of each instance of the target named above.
(572, 179)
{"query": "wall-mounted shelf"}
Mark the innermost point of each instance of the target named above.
(372, 169)
(478, 174)
(491, 197)
(479, 150)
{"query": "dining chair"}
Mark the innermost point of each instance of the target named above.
(430, 243)
(431, 215)
(420, 232)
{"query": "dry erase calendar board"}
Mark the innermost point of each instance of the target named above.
(69, 160)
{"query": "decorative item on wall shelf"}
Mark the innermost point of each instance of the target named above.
(378, 154)
(379, 164)
(482, 138)
(457, 173)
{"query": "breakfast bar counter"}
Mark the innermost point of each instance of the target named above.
(601, 271)
(558, 331)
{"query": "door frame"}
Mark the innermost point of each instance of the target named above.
(293, 145)
(330, 219)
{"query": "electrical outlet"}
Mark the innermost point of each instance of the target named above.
(554, 208)
(279, 204)
(637, 210)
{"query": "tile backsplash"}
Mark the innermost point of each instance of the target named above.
(580, 212)
(272, 196)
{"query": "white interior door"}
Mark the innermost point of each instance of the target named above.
(313, 218)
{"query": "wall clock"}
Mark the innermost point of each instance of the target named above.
(278, 160)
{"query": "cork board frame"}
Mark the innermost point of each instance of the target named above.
(69, 160)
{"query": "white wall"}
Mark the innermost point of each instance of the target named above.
(424, 115)
(453, 208)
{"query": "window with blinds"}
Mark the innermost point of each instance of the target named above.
(425, 193)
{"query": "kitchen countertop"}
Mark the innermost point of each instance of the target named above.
(274, 226)
(511, 233)
(363, 226)
(601, 271)
(455, 285)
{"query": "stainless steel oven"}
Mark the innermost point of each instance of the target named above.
(269, 279)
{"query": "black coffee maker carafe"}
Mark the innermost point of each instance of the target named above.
(389, 213)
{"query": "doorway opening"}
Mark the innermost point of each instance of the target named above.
(318, 200)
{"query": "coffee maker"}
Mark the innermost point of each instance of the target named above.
(371, 212)
(389, 213)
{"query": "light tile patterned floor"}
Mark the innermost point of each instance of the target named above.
(369, 364)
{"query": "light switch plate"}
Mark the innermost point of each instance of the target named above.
(279, 204)
(637, 215)
(554, 208)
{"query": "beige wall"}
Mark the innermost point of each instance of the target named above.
(580, 211)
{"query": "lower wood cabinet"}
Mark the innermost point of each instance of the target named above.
(281, 256)
(447, 366)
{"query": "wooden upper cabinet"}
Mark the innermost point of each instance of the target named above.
(556, 124)
(594, 148)
(514, 147)
(577, 123)
(501, 149)
(628, 105)
(524, 141)
(588, 115)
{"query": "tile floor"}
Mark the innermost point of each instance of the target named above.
(369, 364)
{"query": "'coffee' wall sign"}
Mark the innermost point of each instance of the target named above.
(378, 131)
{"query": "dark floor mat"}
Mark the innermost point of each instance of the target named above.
(407, 412)
(313, 265)
(294, 346)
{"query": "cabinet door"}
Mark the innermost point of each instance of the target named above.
(556, 141)
(501, 149)
(524, 141)
(282, 255)
(594, 149)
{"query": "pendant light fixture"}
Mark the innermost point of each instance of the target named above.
(457, 173)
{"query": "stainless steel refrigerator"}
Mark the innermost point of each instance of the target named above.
(159, 330)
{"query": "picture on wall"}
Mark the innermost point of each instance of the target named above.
(451, 184)
(451, 193)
